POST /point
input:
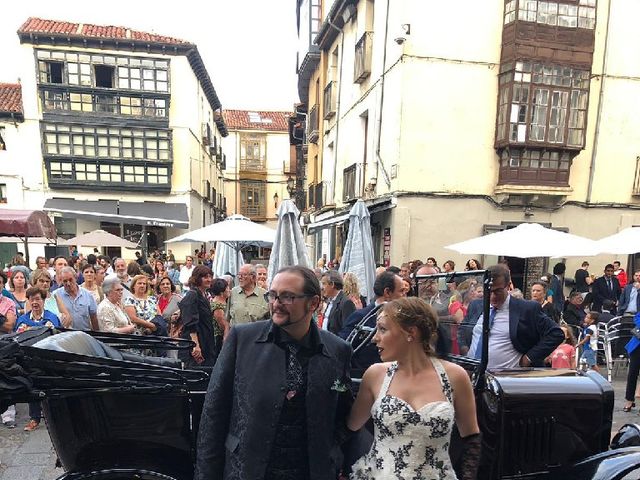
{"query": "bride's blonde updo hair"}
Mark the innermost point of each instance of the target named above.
(414, 312)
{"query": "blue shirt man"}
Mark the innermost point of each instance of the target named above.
(79, 302)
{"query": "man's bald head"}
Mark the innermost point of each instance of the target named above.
(427, 288)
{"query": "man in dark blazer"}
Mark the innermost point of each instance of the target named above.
(388, 286)
(629, 302)
(521, 334)
(279, 394)
(339, 307)
(604, 288)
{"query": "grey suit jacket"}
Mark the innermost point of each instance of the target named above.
(246, 392)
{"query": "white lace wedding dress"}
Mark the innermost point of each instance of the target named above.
(409, 444)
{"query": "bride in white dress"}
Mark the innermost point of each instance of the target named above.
(414, 398)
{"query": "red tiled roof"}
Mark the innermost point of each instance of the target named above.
(10, 98)
(256, 120)
(85, 30)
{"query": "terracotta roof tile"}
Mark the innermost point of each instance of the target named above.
(10, 98)
(86, 30)
(256, 120)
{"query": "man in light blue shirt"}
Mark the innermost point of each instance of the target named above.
(628, 303)
(79, 302)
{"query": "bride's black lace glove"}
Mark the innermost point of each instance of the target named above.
(469, 457)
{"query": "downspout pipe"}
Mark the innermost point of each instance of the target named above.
(379, 161)
(335, 159)
(596, 135)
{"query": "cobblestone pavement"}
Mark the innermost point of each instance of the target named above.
(30, 456)
(26, 455)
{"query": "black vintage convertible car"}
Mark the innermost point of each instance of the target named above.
(112, 414)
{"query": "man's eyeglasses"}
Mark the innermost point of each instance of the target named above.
(284, 298)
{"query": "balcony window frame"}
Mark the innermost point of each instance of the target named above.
(362, 58)
(313, 122)
(535, 166)
(350, 183)
(256, 206)
(330, 99)
(89, 141)
(581, 14)
(141, 74)
(253, 152)
(107, 174)
(84, 101)
(527, 114)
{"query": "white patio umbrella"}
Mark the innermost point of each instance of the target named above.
(227, 259)
(289, 247)
(99, 238)
(528, 240)
(626, 241)
(236, 231)
(357, 256)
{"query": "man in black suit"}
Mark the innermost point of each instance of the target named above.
(279, 394)
(521, 334)
(604, 288)
(388, 286)
(339, 307)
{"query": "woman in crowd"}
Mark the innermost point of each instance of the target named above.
(89, 274)
(111, 315)
(411, 397)
(432, 263)
(197, 324)
(7, 308)
(159, 271)
(220, 293)
(168, 306)
(18, 285)
(42, 279)
(539, 294)
(472, 264)
(167, 297)
(352, 290)
(140, 307)
(458, 308)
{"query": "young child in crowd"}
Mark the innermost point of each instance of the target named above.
(589, 341)
(565, 355)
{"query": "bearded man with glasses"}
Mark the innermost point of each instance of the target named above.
(279, 393)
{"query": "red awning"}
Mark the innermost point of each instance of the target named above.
(26, 223)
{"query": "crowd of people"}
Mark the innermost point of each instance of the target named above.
(145, 296)
(407, 389)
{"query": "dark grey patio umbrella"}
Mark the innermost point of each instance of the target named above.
(288, 247)
(357, 256)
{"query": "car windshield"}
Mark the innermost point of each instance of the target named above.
(459, 300)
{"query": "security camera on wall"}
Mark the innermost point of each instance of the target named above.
(399, 40)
